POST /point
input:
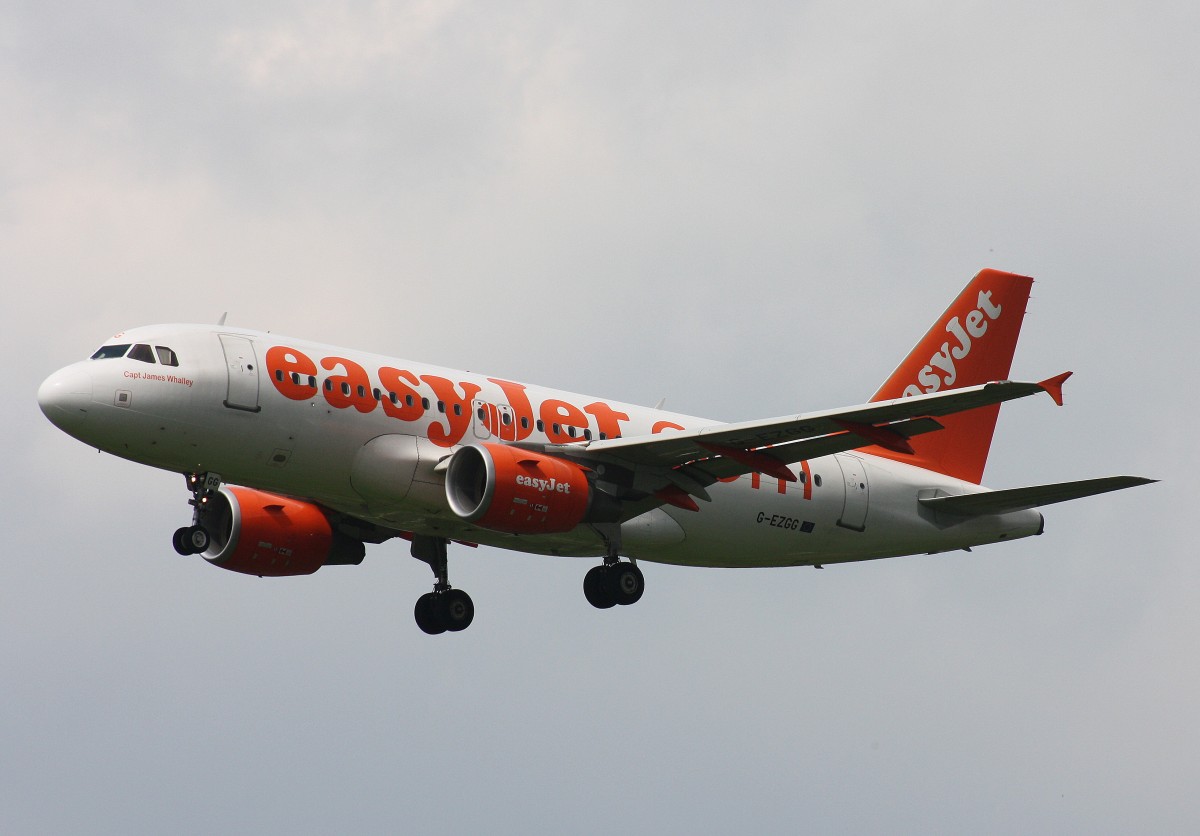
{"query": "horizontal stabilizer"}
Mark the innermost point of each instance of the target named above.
(1018, 499)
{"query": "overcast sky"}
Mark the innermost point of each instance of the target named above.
(750, 211)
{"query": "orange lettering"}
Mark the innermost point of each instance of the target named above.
(608, 420)
(562, 415)
(351, 389)
(407, 406)
(522, 424)
(659, 426)
(756, 482)
(282, 364)
(457, 420)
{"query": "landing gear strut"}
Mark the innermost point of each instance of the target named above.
(195, 538)
(615, 581)
(444, 609)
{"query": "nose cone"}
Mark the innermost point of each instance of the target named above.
(65, 398)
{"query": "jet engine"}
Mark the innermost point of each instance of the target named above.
(259, 533)
(505, 488)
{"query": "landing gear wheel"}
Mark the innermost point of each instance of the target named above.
(181, 542)
(457, 610)
(595, 588)
(625, 583)
(197, 539)
(427, 615)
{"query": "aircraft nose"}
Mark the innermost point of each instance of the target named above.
(65, 397)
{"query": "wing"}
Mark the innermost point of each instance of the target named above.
(676, 465)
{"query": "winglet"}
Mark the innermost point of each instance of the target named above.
(1053, 386)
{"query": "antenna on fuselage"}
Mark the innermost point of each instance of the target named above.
(221, 321)
(661, 402)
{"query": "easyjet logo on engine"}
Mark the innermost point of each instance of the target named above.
(543, 485)
(941, 372)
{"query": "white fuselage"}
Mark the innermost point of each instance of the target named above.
(320, 422)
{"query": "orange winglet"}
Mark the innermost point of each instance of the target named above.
(677, 497)
(758, 461)
(886, 438)
(1053, 386)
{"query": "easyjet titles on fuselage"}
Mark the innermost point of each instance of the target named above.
(294, 375)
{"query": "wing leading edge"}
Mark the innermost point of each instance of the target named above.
(1035, 496)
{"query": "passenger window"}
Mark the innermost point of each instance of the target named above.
(166, 356)
(481, 413)
(424, 403)
(108, 352)
(329, 384)
(141, 352)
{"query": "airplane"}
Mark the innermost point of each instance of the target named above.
(297, 454)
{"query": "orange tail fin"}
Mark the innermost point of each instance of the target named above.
(971, 343)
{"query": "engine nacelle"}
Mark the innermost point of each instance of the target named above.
(516, 491)
(259, 533)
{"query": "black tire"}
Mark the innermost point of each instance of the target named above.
(181, 542)
(625, 583)
(595, 588)
(198, 539)
(427, 615)
(457, 610)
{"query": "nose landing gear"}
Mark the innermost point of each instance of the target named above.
(192, 539)
(195, 538)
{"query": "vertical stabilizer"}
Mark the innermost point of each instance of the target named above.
(971, 343)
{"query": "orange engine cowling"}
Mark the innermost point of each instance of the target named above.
(259, 533)
(516, 491)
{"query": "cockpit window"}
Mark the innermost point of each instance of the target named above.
(107, 352)
(142, 352)
(166, 356)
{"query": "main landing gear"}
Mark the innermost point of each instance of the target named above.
(445, 609)
(194, 539)
(615, 581)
